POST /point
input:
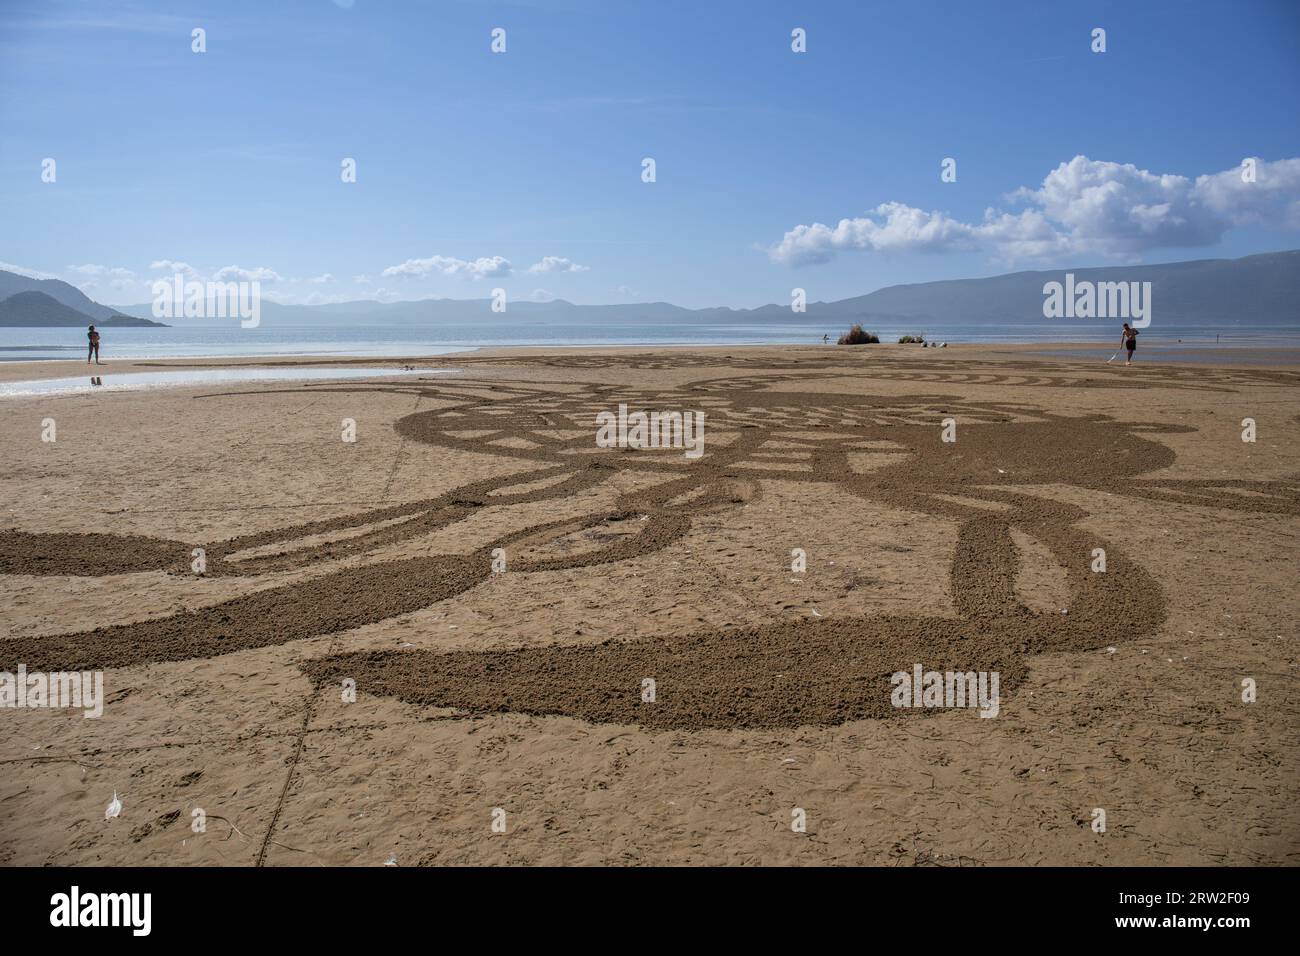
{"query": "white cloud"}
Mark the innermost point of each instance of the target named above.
(556, 264)
(171, 265)
(542, 295)
(484, 267)
(121, 285)
(94, 271)
(628, 292)
(24, 271)
(95, 280)
(238, 274)
(1082, 207)
(1272, 200)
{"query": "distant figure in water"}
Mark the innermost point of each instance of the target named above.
(826, 339)
(1129, 339)
(93, 348)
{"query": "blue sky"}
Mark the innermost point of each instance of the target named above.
(474, 168)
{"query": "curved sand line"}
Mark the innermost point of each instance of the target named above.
(779, 674)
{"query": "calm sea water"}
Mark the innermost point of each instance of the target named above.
(405, 341)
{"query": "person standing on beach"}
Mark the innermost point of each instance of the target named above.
(1129, 339)
(93, 348)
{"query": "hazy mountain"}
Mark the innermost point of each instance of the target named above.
(434, 311)
(1260, 291)
(38, 310)
(11, 284)
(273, 313)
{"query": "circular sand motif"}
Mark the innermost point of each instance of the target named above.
(784, 673)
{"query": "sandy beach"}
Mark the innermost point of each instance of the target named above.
(497, 589)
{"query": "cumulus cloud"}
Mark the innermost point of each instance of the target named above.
(481, 268)
(95, 279)
(171, 265)
(94, 271)
(239, 274)
(121, 284)
(1083, 206)
(556, 264)
(24, 271)
(542, 295)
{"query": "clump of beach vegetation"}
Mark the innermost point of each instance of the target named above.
(858, 336)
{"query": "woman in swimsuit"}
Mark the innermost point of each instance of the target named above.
(1129, 340)
(93, 349)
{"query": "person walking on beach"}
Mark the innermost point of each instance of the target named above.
(1129, 339)
(93, 348)
(826, 339)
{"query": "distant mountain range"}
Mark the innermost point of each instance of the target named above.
(52, 303)
(1254, 292)
(38, 310)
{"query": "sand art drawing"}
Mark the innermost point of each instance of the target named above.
(883, 449)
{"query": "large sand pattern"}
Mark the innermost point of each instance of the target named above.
(805, 425)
